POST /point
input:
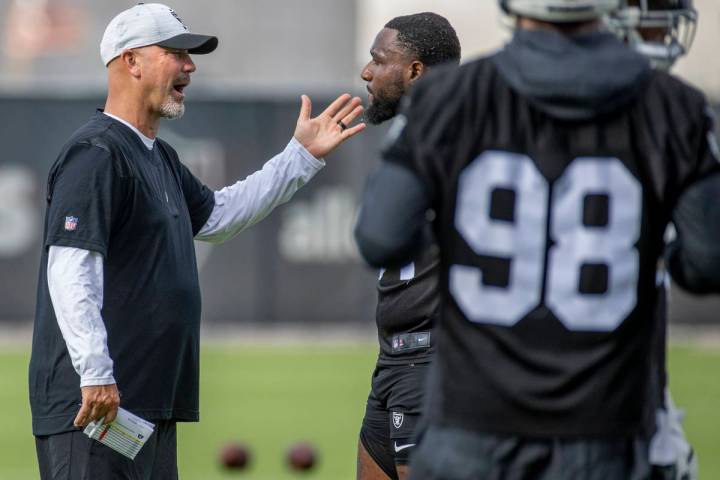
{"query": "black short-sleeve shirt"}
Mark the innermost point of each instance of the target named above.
(139, 209)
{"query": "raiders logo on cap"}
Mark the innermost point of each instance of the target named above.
(177, 17)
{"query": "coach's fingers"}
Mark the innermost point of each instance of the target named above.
(351, 116)
(97, 402)
(305, 108)
(98, 412)
(335, 106)
(352, 131)
(347, 109)
(111, 415)
(81, 419)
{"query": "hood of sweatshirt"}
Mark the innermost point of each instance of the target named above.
(573, 77)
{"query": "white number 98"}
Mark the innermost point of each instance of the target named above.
(524, 240)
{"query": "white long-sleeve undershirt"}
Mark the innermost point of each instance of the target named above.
(242, 205)
(75, 276)
(75, 281)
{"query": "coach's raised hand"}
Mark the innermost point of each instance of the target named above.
(322, 134)
(98, 402)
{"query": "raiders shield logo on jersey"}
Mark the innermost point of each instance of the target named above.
(398, 419)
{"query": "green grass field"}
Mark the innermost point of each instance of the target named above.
(269, 397)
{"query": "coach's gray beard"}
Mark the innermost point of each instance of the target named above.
(172, 109)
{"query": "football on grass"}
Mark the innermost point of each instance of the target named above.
(235, 456)
(301, 456)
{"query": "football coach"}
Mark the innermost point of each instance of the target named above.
(118, 309)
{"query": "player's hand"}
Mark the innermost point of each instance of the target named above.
(322, 134)
(98, 402)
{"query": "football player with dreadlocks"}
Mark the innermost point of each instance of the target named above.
(553, 168)
(663, 31)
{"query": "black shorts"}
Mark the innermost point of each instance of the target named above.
(74, 456)
(392, 413)
(453, 454)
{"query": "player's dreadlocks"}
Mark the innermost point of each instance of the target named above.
(429, 36)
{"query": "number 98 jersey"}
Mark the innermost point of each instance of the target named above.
(549, 232)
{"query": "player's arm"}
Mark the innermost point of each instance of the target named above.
(248, 201)
(393, 225)
(392, 222)
(693, 258)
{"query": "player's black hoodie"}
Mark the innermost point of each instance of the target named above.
(572, 77)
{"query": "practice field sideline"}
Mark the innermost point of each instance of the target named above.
(270, 396)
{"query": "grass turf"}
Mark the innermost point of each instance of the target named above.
(270, 397)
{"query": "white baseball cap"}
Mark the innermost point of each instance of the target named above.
(151, 24)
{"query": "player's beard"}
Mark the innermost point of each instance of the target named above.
(172, 109)
(385, 103)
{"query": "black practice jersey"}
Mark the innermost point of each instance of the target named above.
(408, 305)
(139, 209)
(549, 233)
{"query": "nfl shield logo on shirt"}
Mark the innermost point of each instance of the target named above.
(71, 223)
(398, 419)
